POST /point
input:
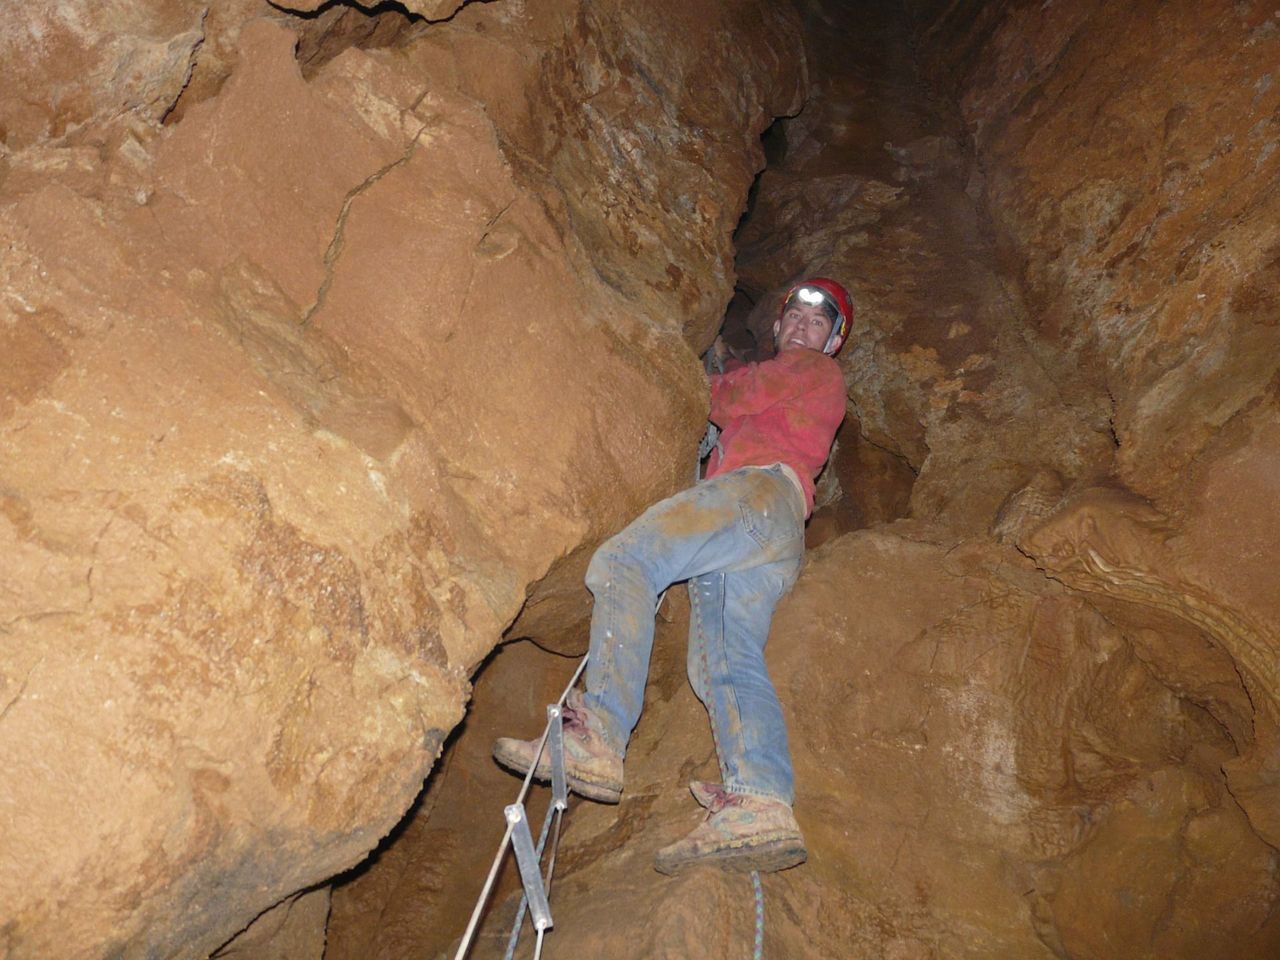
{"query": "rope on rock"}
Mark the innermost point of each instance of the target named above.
(536, 887)
(758, 952)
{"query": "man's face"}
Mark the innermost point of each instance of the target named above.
(802, 326)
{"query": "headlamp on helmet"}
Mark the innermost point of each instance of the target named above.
(812, 295)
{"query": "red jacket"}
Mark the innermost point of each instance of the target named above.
(785, 410)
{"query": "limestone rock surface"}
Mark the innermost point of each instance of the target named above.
(69, 65)
(333, 337)
(301, 394)
(1063, 746)
(1149, 246)
(427, 9)
(868, 185)
(986, 765)
(1147, 250)
(414, 896)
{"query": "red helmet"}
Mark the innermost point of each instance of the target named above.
(834, 297)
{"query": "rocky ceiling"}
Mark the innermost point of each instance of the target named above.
(334, 337)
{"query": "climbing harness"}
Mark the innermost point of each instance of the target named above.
(537, 887)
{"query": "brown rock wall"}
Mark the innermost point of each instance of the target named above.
(429, 10)
(622, 95)
(1207, 619)
(986, 765)
(414, 897)
(1061, 747)
(1000, 738)
(67, 65)
(302, 393)
(1130, 160)
(869, 186)
(319, 376)
(1129, 166)
(293, 929)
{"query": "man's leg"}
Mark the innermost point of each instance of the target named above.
(730, 615)
(739, 521)
(735, 521)
(750, 825)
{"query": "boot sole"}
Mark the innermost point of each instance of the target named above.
(599, 792)
(765, 857)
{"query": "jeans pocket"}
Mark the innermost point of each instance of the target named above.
(767, 517)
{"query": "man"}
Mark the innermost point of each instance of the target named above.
(738, 538)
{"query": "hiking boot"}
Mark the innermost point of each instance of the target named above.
(592, 768)
(741, 832)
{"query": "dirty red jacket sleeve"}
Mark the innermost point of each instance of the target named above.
(751, 388)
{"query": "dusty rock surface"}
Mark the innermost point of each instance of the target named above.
(71, 64)
(1149, 248)
(331, 344)
(302, 391)
(429, 10)
(867, 185)
(294, 929)
(415, 895)
(1038, 720)
(987, 766)
(1001, 772)
(1147, 251)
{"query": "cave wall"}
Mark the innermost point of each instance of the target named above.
(1036, 719)
(986, 767)
(414, 896)
(1129, 163)
(330, 344)
(312, 371)
(1127, 158)
(869, 184)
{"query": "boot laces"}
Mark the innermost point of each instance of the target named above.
(575, 721)
(573, 716)
(719, 798)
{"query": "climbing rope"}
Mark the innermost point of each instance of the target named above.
(758, 952)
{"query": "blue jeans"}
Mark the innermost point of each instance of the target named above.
(738, 539)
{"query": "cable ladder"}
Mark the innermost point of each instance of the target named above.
(537, 886)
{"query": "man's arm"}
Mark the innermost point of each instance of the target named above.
(759, 386)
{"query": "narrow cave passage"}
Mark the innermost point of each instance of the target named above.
(891, 216)
(413, 898)
(875, 181)
(335, 336)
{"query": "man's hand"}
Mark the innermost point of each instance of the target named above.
(720, 352)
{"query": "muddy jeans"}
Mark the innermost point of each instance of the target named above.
(738, 539)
